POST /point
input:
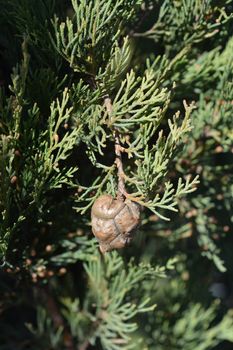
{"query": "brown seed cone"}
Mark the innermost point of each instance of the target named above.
(114, 221)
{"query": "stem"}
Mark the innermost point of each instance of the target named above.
(86, 342)
(56, 317)
(121, 193)
(120, 171)
(84, 345)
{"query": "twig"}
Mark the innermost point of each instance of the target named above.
(86, 342)
(84, 345)
(56, 317)
(121, 193)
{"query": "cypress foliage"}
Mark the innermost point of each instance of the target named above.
(133, 99)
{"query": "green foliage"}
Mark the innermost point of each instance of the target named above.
(110, 283)
(73, 75)
(195, 327)
(80, 41)
(211, 139)
(187, 22)
(32, 159)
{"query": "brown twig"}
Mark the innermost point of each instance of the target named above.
(84, 345)
(121, 193)
(56, 317)
(86, 342)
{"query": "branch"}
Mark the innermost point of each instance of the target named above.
(56, 317)
(122, 193)
(86, 343)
